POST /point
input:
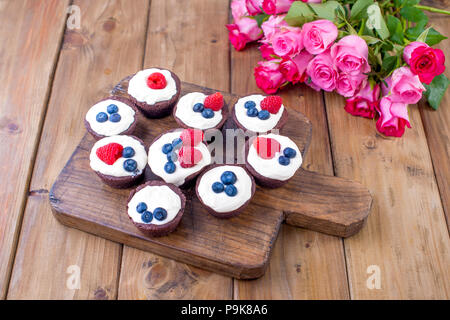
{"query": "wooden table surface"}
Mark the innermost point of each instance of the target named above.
(51, 75)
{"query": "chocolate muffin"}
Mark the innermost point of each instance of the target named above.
(119, 160)
(111, 116)
(178, 156)
(156, 208)
(225, 190)
(196, 110)
(154, 91)
(260, 114)
(272, 159)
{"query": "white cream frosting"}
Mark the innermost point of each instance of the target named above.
(154, 197)
(116, 169)
(221, 202)
(157, 159)
(108, 128)
(138, 88)
(271, 168)
(194, 119)
(254, 123)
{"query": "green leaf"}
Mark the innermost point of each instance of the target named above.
(436, 90)
(326, 10)
(376, 21)
(395, 29)
(402, 3)
(433, 36)
(389, 63)
(370, 40)
(414, 14)
(299, 14)
(260, 18)
(359, 10)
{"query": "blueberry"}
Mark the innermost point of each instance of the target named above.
(167, 148)
(207, 113)
(289, 153)
(252, 112)
(169, 167)
(128, 152)
(284, 161)
(198, 107)
(249, 104)
(263, 115)
(218, 187)
(172, 157)
(101, 117)
(130, 165)
(160, 214)
(228, 177)
(115, 117)
(177, 143)
(147, 216)
(112, 108)
(230, 190)
(141, 207)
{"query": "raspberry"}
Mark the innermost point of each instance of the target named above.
(214, 101)
(109, 153)
(156, 81)
(271, 104)
(266, 147)
(191, 137)
(189, 157)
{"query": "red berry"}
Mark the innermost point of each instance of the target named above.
(189, 157)
(156, 81)
(191, 137)
(214, 101)
(109, 153)
(271, 104)
(266, 147)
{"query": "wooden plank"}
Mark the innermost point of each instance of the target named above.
(437, 128)
(194, 45)
(406, 235)
(30, 35)
(109, 46)
(304, 264)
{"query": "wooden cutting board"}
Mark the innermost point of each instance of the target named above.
(239, 247)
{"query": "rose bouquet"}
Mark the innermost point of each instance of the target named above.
(377, 54)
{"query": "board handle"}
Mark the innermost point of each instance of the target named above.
(327, 204)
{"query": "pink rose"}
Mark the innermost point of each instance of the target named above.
(318, 35)
(272, 26)
(301, 61)
(365, 102)
(322, 72)
(294, 69)
(350, 55)
(405, 86)
(242, 32)
(424, 61)
(266, 51)
(393, 117)
(276, 6)
(347, 84)
(254, 6)
(238, 9)
(268, 76)
(287, 42)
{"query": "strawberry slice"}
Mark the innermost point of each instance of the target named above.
(189, 157)
(266, 147)
(109, 153)
(271, 104)
(214, 101)
(191, 137)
